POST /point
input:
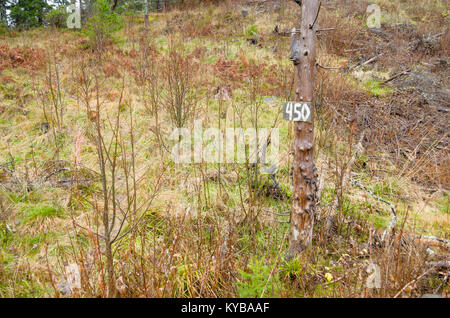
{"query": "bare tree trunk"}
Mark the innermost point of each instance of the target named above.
(114, 5)
(110, 268)
(146, 14)
(105, 215)
(305, 172)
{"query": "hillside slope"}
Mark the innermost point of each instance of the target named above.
(219, 230)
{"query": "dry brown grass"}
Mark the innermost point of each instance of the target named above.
(199, 234)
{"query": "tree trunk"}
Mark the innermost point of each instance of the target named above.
(305, 173)
(146, 14)
(110, 269)
(114, 5)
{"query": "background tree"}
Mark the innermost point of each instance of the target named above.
(102, 24)
(3, 15)
(57, 17)
(26, 14)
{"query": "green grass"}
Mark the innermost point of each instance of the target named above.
(376, 87)
(257, 279)
(379, 221)
(40, 211)
(444, 203)
(251, 30)
(32, 243)
(387, 189)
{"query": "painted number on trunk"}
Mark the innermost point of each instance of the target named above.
(297, 111)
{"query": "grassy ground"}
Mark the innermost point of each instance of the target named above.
(206, 230)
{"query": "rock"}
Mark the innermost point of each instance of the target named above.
(253, 41)
(244, 13)
(44, 127)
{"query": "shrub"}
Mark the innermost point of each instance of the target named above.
(3, 29)
(57, 17)
(179, 96)
(102, 25)
(27, 14)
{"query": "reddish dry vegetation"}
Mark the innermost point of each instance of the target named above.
(411, 122)
(26, 57)
(271, 77)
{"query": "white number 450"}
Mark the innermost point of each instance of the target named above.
(297, 111)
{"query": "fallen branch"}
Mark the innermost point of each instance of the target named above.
(285, 32)
(444, 281)
(282, 213)
(329, 67)
(366, 62)
(440, 264)
(438, 35)
(412, 282)
(397, 75)
(436, 241)
(393, 222)
(326, 29)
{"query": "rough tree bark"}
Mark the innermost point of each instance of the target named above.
(114, 5)
(305, 173)
(146, 14)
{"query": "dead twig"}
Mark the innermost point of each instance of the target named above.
(444, 281)
(397, 75)
(412, 282)
(373, 59)
(439, 264)
(329, 67)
